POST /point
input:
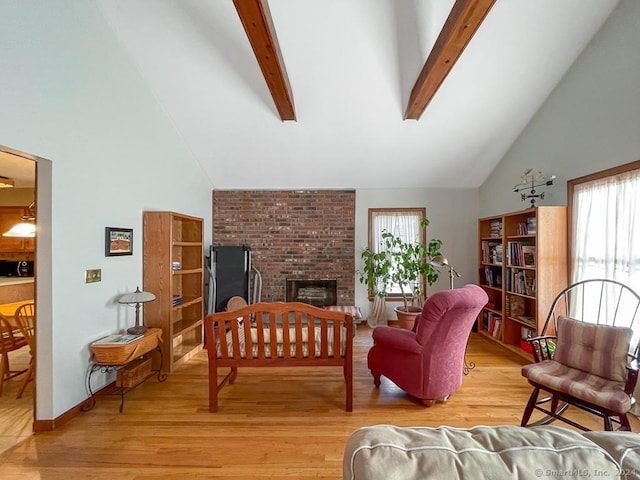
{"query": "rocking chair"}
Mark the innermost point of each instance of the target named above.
(587, 355)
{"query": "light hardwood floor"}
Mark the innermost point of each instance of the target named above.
(272, 423)
(16, 415)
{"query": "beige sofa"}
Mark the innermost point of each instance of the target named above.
(385, 452)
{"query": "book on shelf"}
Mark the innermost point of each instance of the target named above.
(118, 339)
(527, 333)
(522, 228)
(492, 324)
(531, 225)
(515, 306)
(488, 250)
(492, 276)
(529, 255)
(530, 283)
(522, 282)
(496, 254)
(527, 319)
(495, 228)
(516, 252)
(497, 328)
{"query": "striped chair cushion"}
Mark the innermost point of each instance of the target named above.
(348, 309)
(590, 388)
(597, 349)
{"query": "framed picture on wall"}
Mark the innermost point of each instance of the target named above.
(118, 241)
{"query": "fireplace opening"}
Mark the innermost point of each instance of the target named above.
(319, 293)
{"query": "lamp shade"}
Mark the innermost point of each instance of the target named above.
(137, 297)
(439, 261)
(6, 183)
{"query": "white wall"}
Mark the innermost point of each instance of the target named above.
(453, 216)
(71, 95)
(589, 123)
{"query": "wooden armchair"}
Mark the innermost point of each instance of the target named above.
(10, 341)
(587, 355)
(25, 318)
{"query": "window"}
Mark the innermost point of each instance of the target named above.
(604, 214)
(402, 222)
(604, 211)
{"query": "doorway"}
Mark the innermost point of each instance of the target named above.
(17, 199)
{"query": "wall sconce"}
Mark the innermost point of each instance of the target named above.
(135, 299)
(26, 228)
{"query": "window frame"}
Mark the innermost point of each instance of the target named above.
(571, 185)
(373, 212)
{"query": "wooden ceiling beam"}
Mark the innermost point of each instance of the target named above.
(258, 25)
(463, 21)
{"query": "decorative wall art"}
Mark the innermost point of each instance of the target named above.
(118, 241)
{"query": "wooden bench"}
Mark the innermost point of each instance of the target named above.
(246, 338)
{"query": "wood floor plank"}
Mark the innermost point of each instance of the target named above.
(272, 423)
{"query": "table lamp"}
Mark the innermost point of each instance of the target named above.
(136, 298)
(440, 262)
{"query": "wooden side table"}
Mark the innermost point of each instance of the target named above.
(106, 358)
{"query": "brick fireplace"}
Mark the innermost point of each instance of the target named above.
(301, 235)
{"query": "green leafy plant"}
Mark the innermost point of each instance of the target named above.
(376, 272)
(401, 263)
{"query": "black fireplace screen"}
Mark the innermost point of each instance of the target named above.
(319, 293)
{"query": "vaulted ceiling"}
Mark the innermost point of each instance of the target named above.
(352, 93)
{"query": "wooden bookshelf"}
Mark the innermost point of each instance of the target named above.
(522, 265)
(174, 273)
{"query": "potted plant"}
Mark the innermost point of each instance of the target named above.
(412, 263)
(404, 264)
(376, 275)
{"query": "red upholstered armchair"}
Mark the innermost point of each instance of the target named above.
(427, 362)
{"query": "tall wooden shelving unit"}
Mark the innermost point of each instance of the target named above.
(173, 272)
(521, 291)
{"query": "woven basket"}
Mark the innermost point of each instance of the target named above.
(123, 354)
(134, 373)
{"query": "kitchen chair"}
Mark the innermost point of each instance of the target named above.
(586, 355)
(26, 320)
(10, 341)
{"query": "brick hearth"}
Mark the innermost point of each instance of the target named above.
(292, 234)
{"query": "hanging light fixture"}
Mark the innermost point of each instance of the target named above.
(26, 228)
(6, 182)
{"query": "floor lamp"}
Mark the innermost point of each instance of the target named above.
(441, 262)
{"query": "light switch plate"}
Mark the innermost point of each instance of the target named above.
(91, 276)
